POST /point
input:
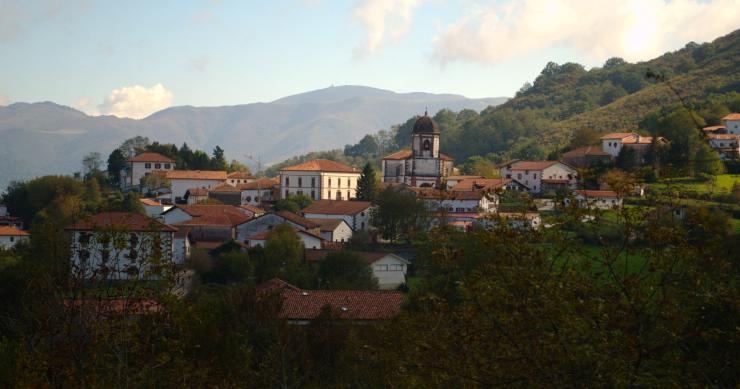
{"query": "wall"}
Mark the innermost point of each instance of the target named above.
(390, 272)
(180, 186)
(8, 242)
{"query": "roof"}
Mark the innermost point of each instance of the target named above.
(407, 153)
(436, 194)
(632, 138)
(212, 215)
(224, 188)
(323, 165)
(197, 192)
(470, 184)
(713, 128)
(533, 165)
(262, 235)
(150, 157)
(617, 135)
(337, 207)
(150, 202)
(253, 208)
(724, 136)
(327, 224)
(732, 116)
(586, 151)
(129, 220)
(297, 219)
(458, 178)
(596, 193)
(12, 231)
(261, 183)
(425, 125)
(192, 174)
(240, 175)
(301, 304)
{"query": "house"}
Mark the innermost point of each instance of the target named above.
(195, 195)
(309, 240)
(142, 165)
(121, 245)
(207, 223)
(182, 245)
(520, 220)
(727, 145)
(301, 306)
(422, 166)
(601, 199)
(486, 185)
(613, 143)
(238, 178)
(356, 213)
(11, 236)
(252, 211)
(320, 179)
(183, 180)
(154, 208)
(586, 157)
(388, 268)
(269, 221)
(334, 230)
(714, 130)
(732, 123)
(451, 181)
(478, 201)
(259, 191)
(226, 194)
(541, 176)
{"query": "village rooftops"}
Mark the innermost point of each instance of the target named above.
(533, 165)
(240, 176)
(150, 157)
(732, 116)
(150, 202)
(586, 151)
(120, 220)
(407, 153)
(297, 219)
(471, 184)
(198, 191)
(337, 207)
(260, 183)
(224, 188)
(632, 138)
(191, 174)
(12, 231)
(299, 304)
(212, 215)
(253, 208)
(595, 193)
(321, 165)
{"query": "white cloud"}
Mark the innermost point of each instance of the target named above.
(632, 29)
(384, 20)
(135, 101)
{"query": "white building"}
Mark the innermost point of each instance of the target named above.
(183, 180)
(237, 178)
(11, 236)
(121, 245)
(153, 208)
(260, 190)
(388, 268)
(320, 179)
(732, 123)
(539, 176)
(309, 240)
(422, 166)
(613, 143)
(142, 165)
(334, 230)
(182, 245)
(356, 213)
(601, 199)
(267, 222)
(727, 145)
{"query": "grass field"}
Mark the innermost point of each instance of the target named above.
(692, 187)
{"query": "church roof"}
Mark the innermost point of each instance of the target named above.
(406, 154)
(425, 125)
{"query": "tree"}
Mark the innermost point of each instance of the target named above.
(131, 203)
(236, 166)
(614, 62)
(282, 258)
(398, 213)
(293, 203)
(584, 136)
(346, 270)
(91, 163)
(480, 166)
(133, 146)
(619, 181)
(153, 182)
(367, 184)
(626, 159)
(218, 162)
(707, 161)
(116, 163)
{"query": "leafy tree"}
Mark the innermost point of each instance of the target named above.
(619, 181)
(92, 197)
(584, 136)
(236, 166)
(91, 163)
(153, 182)
(133, 146)
(132, 203)
(707, 161)
(368, 145)
(293, 203)
(398, 213)
(346, 270)
(367, 184)
(219, 161)
(614, 62)
(116, 163)
(627, 159)
(283, 257)
(480, 166)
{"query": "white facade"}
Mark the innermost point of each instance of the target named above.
(7, 242)
(596, 199)
(342, 232)
(732, 126)
(390, 271)
(181, 185)
(142, 165)
(3, 210)
(611, 146)
(310, 242)
(155, 210)
(531, 175)
(358, 221)
(256, 196)
(181, 249)
(319, 185)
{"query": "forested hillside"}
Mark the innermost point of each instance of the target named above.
(567, 99)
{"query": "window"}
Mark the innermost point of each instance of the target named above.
(84, 238)
(339, 195)
(157, 165)
(313, 194)
(104, 255)
(330, 183)
(300, 192)
(313, 182)
(381, 267)
(287, 181)
(535, 176)
(427, 145)
(348, 195)
(519, 176)
(167, 166)
(300, 182)
(362, 225)
(287, 193)
(147, 165)
(248, 198)
(12, 238)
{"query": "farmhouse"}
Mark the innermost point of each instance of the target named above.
(142, 165)
(356, 213)
(11, 236)
(259, 191)
(541, 176)
(183, 180)
(613, 143)
(586, 157)
(319, 179)
(601, 199)
(334, 230)
(237, 178)
(732, 123)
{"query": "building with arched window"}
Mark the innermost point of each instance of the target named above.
(423, 165)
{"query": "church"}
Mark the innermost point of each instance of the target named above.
(423, 165)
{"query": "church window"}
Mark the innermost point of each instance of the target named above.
(287, 181)
(339, 195)
(427, 145)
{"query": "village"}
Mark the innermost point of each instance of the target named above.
(189, 211)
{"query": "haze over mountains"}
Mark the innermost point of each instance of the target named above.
(47, 138)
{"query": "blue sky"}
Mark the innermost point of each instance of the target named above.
(130, 58)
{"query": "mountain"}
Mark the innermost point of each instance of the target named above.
(47, 138)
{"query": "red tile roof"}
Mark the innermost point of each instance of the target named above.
(275, 284)
(617, 135)
(197, 192)
(724, 136)
(150, 202)
(732, 116)
(406, 154)
(436, 194)
(12, 231)
(533, 165)
(126, 220)
(713, 128)
(337, 207)
(150, 157)
(586, 151)
(297, 219)
(213, 215)
(632, 138)
(261, 183)
(323, 165)
(240, 175)
(346, 304)
(192, 174)
(253, 208)
(327, 224)
(555, 181)
(224, 188)
(368, 256)
(470, 184)
(596, 193)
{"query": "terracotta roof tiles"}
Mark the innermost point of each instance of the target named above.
(12, 231)
(323, 165)
(150, 157)
(126, 220)
(337, 207)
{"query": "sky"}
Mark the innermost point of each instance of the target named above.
(132, 58)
